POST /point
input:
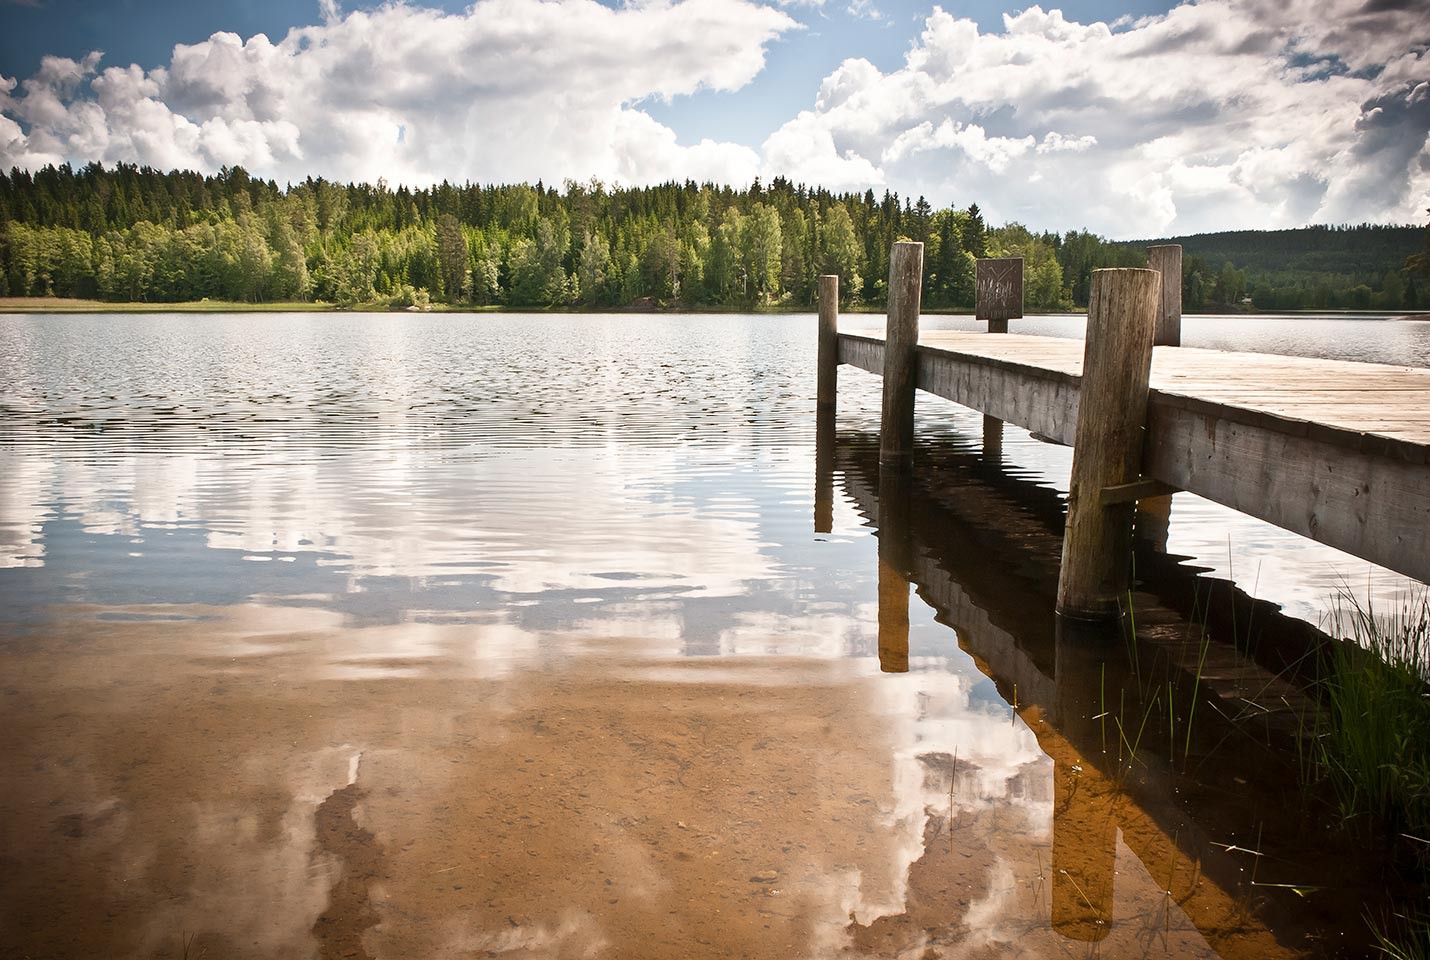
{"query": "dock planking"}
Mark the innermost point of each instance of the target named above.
(1336, 451)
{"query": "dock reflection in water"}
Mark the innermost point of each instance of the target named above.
(458, 658)
(1163, 820)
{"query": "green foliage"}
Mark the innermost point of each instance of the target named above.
(1042, 271)
(1374, 741)
(950, 280)
(407, 297)
(1313, 268)
(843, 254)
(129, 233)
(1402, 936)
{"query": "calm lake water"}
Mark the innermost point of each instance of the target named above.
(505, 635)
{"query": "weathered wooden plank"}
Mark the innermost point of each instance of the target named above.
(863, 352)
(1371, 506)
(1334, 450)
(1037, 401)
(1142, 489)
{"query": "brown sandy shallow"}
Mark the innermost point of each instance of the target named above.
(267, 781)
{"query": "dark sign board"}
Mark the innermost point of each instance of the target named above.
(998, 286)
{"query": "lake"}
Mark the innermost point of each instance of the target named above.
(333, 635)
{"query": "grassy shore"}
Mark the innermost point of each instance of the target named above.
(67, 305)
(1371, 740)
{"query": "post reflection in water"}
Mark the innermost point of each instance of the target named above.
(824, 431)
(1084, 812)
(895, 546)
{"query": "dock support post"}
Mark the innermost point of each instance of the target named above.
(826, 394)
(1167, 260)
(1107, 450)
(1154, 521)
(827, 386)
(901, 340)
(992, 439)
(1154, 513)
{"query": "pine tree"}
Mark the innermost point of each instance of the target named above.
(975, 233)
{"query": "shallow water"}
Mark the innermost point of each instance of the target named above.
(396, 636)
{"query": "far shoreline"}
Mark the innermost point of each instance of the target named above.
(66, 305)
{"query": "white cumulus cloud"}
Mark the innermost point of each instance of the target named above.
(506, 90)
(1216, 115)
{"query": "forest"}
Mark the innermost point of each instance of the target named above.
(134, 234)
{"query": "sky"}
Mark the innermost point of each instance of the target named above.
(1133, 119)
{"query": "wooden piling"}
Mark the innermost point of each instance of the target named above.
(992, 439)
(1167, 260)
(826, 394)
(1153, 514)
(1153, 522)
(1107, 450)
(827, 385)
(901, 338)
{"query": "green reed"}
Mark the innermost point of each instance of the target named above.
(1372, 738)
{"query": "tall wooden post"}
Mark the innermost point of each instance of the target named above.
(1167, 260)
(992, 439)
(901, 340)
(826, 394)
(1154, 521)
(997, 298)
(1153, 514)
(827, 386)
(1107, 448)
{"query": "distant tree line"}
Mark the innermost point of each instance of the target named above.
(1322, 267)
(129, 233)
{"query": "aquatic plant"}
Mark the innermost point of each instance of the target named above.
(1402, 936)
(1372, 733)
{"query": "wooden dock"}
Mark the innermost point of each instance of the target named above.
(1332, 450)
(1335, 451)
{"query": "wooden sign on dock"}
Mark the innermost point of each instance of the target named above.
(998, 291)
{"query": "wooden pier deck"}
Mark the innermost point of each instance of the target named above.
(1332, 450)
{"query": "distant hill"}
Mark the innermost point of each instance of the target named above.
(1360, 254)
(1317, 266)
